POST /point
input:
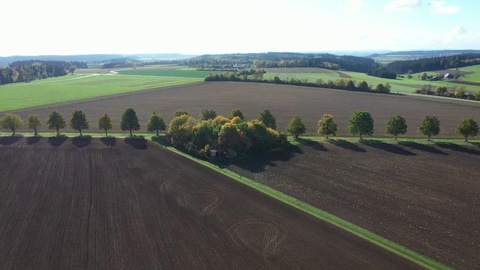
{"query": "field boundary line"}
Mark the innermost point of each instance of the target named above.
(323, 215)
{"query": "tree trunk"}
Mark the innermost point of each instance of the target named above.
(106, 133)
(58, 132)
(131, 135)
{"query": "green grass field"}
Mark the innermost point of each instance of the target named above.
(78, 87)
(402, 85)
(184, 73)
(326, 75)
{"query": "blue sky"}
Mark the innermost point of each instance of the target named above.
(32, 27)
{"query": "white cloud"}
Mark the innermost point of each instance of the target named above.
(403, 5)
(439, 7)
(355, 3)
(458, 31)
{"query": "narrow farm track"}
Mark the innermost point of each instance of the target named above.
(139, 206)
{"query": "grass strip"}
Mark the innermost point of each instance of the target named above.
(334, 220)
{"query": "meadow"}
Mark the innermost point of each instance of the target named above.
(80, 87)
(401, 85)
(167, 72)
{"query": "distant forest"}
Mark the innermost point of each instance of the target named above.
(434, 63)
(231, 62)
(276, 60)
(27, 71)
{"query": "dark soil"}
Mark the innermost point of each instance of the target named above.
(283, 101)
(425, 196)
(116, 204)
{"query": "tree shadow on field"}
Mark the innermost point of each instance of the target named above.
(387, 147)
(475, 143)
(109, 141)
(81, 141)
(347, 145)
(162, 140)
(259, 162)
(33, 140)
(9, 140)
(458, 148)
(137, 142)
(313, 144)
(423, 147)
(57, 140)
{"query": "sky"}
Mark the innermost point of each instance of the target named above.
(59, 27)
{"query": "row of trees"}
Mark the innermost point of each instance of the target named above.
(341, 83)
(26, 71)
(361, 123)
(458, 92)
(79, 122)
(231, 136)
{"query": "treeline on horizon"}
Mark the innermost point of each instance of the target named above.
(27, 71)
(333, 62)
(283, 60)
(253, 75)
(434, 63)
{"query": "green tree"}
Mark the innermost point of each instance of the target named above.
(79, 121)
(361, 123)
(156, 123)
(363, 86)
(430, 126)
(296, 126)
(12, 122)
(180, 130)
(441, 90)
(423, 76)
(468, 128)
(71, 69)
(129, 121)
(341, 84)
(237, 112)
(232, 140)
(396, 125)
(460, 91)
(380, 88)
(105, 123)
(327, 126)
(207, 114)
(56, 121)
(268, 119)
(34, 122)
(203, 134)
(350, 86)
(180, 112)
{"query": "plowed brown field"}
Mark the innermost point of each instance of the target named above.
(422, 196)
(111, 204)
(283, 101)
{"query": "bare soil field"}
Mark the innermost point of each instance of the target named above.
(423, 196)
(283, 101)
(68, 203)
